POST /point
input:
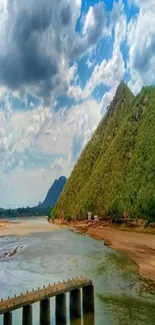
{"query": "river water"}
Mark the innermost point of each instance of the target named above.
(49, 257)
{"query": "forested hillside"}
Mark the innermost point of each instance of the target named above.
(115, 173)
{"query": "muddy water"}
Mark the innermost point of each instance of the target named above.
(42, 258)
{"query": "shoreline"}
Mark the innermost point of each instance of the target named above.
(26, 226)
(142, 254)
(137, 244)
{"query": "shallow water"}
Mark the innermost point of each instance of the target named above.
(44, 258)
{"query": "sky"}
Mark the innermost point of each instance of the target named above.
(60, 64)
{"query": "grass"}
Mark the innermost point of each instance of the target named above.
(119, 262)
(130, 310)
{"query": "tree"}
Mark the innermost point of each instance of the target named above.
(150, 209)
(89, 206)
(115, 211)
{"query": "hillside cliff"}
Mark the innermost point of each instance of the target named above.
(116, 170)
(54, 192)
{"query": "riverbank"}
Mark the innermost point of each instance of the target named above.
(139, 247)
(23, 227)
(138, 244)
(3, 222)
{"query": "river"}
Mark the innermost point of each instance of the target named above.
(48, 257)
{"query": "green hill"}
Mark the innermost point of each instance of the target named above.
(115, 173)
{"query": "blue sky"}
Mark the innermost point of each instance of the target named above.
(60, 65)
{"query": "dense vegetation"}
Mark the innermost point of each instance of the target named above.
(115, 174)
(23, 212)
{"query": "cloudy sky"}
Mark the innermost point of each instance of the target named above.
(60, 64)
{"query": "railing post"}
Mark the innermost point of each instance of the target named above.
(45, 312)
(88, 299)
(75, 303)
(60, 301)
(27, 315)
(7, 318)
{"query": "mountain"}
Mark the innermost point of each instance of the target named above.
(53, 193)
(42, 208)
(115, 173)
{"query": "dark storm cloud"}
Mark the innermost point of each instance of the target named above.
(65, 15)
(25, 61)
(28, 66)
(36, 35)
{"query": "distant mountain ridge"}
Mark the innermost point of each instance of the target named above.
(42, 208)
(53, 193)
(116, 171)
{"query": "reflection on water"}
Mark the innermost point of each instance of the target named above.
(51, 257)
(88, 319)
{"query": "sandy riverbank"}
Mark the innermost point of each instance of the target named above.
(140, 247)
(3, 222)
(137, 244)
(26, 226)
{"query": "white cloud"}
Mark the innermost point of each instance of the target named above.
(141, 42)
(116, 12)
(107, 73)
(24, 187)
(75, 91)
(24, 128)
(39, 40)
(94, 28)
(90, 20)
(41, 144)
(94, 21)
(89, 63)
(80, 121)
(107, 98)
(143, 3)
(62, 163)
(30, 141)
(110, 72)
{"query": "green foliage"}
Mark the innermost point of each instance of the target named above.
(89, 206)
(53, 213)
(68, 216)
(115, 211)
(116, 170)
(149, 210)
(23, 212)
